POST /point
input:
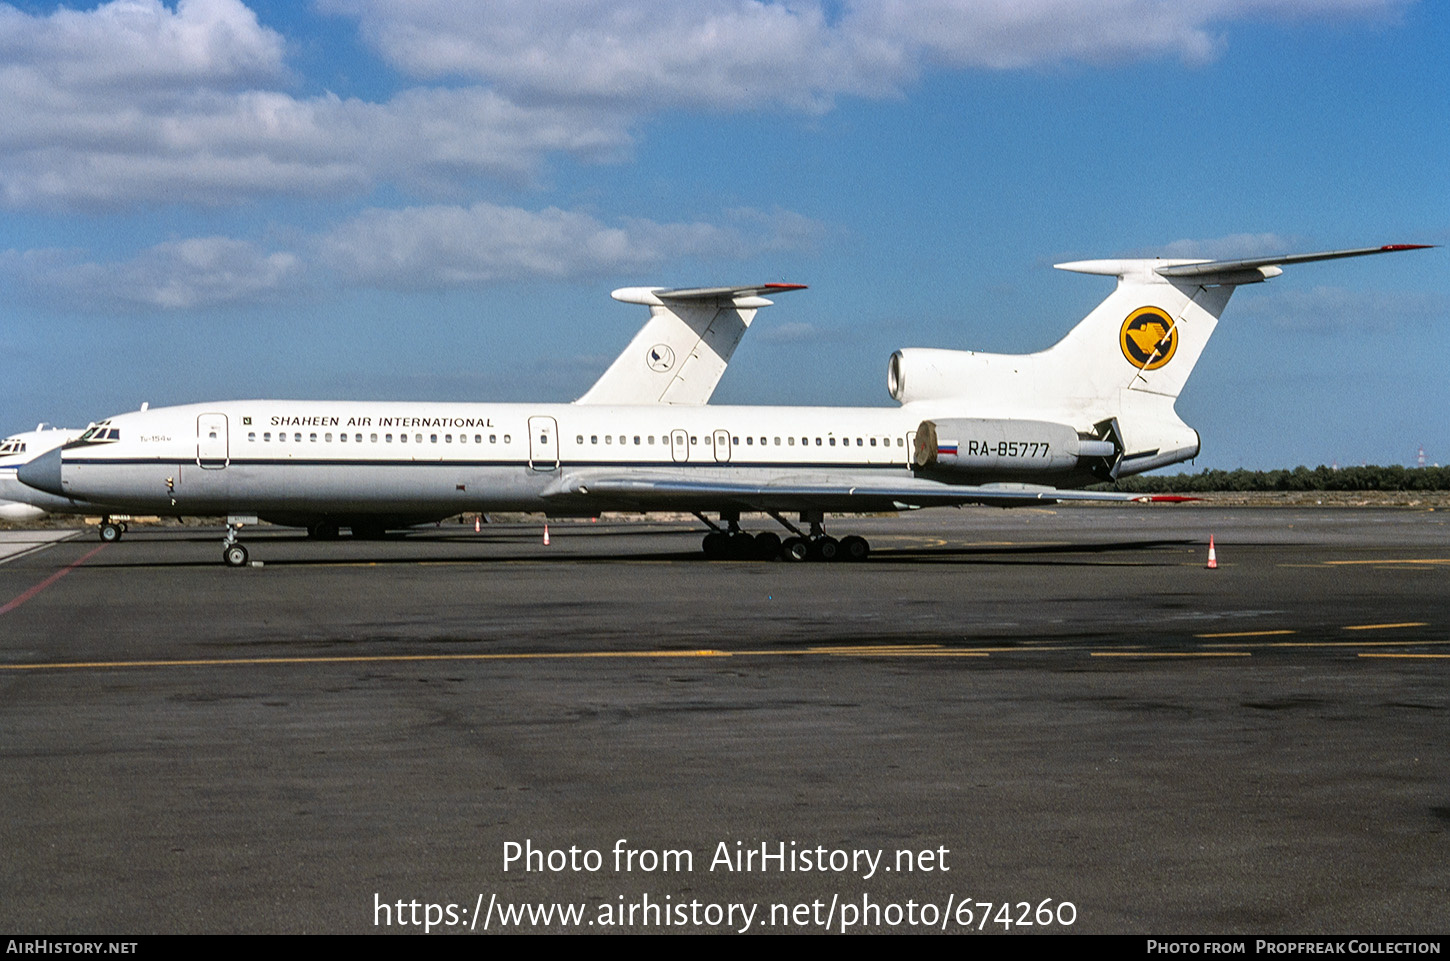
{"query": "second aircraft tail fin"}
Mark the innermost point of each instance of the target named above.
(679, 355)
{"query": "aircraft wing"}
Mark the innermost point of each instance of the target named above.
(834, 493)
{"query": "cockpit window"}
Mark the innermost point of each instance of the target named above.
(12, 447)
(100, 434)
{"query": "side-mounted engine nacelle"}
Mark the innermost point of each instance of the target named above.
(1011, 447)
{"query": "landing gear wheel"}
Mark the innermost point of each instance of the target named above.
(854, 548)
(795, 549)
(741, 547)
(235, 556)
(322, 531)
(110, 532)
(767, 546)
(825, 549)
(714, 545)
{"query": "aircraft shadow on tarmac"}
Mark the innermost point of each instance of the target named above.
(280, 548)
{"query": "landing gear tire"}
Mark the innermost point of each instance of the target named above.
(795, 549)
(714, 545)
(111, 532)
(825, 549)
(767, 546)
(854, 548)
(741, 547)
(235, 556)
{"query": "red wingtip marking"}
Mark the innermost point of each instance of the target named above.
(786, 286)
(1407, 246)
(1171, 499)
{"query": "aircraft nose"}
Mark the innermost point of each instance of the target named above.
(42, 473)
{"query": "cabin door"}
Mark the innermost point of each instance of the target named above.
(211, 441)
(543, 443)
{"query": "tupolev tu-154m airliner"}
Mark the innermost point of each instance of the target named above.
(676, 358)
(970, 428)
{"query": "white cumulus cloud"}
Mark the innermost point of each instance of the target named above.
(449, 245)
(196, 273)
(731, 54)
(134, 102)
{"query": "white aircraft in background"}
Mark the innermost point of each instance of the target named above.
(971, 428)
(19, 502)
(676, 358)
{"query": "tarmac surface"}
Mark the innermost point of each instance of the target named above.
(1060, 711)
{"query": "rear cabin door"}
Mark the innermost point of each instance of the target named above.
(680, 445)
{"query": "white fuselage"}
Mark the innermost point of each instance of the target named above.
(298, 461)
(306, 458)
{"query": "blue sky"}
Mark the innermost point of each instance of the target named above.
(368, 199)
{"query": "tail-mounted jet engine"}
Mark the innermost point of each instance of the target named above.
(1015, 448)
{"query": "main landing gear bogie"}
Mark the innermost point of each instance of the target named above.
(739, 546)
(735, 544)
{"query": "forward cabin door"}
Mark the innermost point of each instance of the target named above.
(543, 443)
(211, 441)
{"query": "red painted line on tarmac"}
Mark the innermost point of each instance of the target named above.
(48, 581)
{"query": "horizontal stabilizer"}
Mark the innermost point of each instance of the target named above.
(659, 296)
(1226, 272)
(1230, 266)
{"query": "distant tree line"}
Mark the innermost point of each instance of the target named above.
(1301, 478)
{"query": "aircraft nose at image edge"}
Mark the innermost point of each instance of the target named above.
(42, 473)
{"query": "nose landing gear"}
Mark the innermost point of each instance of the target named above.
(233, 553)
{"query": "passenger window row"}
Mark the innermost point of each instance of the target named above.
(312, 438)
(750, 441)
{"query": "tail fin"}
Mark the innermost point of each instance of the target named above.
(1147, 336)
(1127, 361)
(680, 354)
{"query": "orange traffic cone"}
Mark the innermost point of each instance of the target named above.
(477, 525)
(546, 535)
(1212, 556)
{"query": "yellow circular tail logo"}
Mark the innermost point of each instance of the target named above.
(1148, 338)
